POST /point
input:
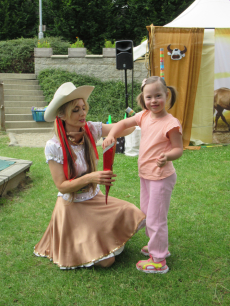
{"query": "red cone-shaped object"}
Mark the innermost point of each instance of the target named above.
(108, 158)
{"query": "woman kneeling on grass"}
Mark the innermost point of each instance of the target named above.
(83, 230)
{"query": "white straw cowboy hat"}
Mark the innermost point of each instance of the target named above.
(65, 93)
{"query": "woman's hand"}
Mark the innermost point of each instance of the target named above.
(162, 160)
(68, 186)
(102, 177)
(108, 141)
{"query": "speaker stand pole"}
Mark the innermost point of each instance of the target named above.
(126, 93)
(132, 88)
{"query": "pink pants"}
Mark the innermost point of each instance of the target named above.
(154, 202)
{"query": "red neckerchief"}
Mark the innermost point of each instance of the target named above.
(60, 128)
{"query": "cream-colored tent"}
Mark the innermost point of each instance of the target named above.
(207, 14)
(210, 15)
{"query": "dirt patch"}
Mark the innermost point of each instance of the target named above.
(222, 135)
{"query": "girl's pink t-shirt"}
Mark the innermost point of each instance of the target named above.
(154, 141)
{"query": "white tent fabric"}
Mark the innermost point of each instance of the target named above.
(200, 14)
(204, 14)
(139, 50)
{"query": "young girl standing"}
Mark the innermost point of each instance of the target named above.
(161, 143)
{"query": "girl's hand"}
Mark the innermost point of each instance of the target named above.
(108, 141)
(102, 177)
(162, 160)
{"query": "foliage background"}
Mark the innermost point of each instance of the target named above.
(17, 55)
(92, 21)
(108, 98)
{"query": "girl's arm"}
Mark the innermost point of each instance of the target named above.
(106, 128)
(68, 186)
(177, 148)
(119, 129)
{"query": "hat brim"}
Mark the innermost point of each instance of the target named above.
(82, 92)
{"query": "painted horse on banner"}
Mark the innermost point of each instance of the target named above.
(221, 102)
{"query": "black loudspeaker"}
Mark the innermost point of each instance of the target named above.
(124, 54)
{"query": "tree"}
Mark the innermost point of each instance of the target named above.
(132, 16)
(79, 18)
(19, 18)
(92, 21)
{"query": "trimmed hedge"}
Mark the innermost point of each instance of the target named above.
(107, 96)
(17, 55)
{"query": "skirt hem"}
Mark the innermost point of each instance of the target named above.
(112, 253)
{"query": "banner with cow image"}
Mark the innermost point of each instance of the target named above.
(221, 130)
(180, 67)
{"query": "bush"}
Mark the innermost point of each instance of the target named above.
(59, 44)
(17, 55)
(43, 44)
(109, 44)
(78, 44)
(107, 96)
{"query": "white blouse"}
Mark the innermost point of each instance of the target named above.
(53, 151)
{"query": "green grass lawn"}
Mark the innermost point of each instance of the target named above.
(199, 239)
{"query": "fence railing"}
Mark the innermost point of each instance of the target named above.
(2, 109)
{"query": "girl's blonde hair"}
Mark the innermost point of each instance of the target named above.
(90, 157)
(154, 79)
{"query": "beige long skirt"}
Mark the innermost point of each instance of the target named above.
(83, 233)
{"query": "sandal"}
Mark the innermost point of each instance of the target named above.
(145, 252)
(149, 266)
